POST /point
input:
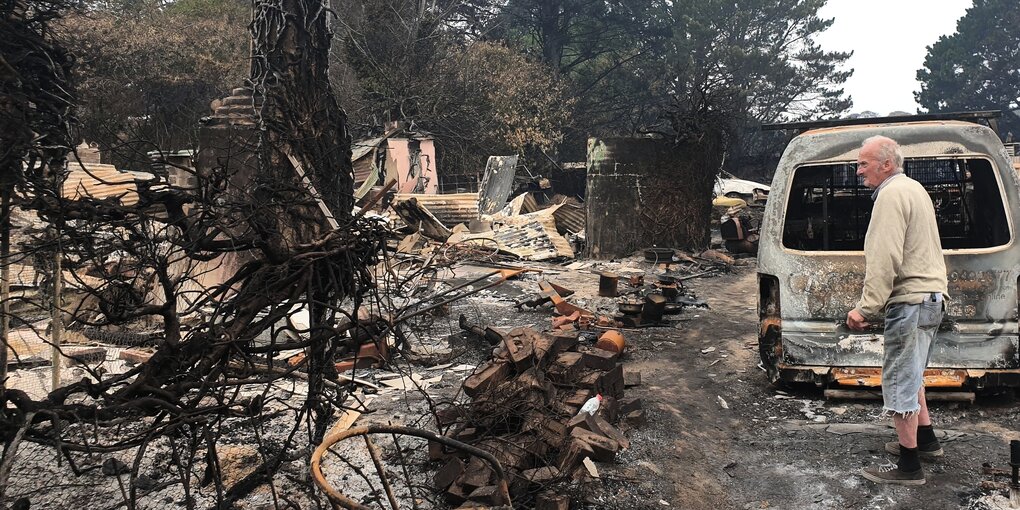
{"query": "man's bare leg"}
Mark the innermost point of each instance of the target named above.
(906, 429)
(923, 419)
(906, 426)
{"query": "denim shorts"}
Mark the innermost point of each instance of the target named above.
(909, 334)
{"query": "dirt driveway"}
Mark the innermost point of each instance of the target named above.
(719, 436)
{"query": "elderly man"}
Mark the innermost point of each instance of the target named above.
(905, 277)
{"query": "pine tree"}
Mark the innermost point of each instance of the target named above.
(978, 67)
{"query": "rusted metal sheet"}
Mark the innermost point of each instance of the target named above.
(364, 154)
(644, 192)
(521, 204)
(817, 288)
(451, 208)
(415, 213)
(570, 217)
(528, 236)
(497, 183)
(364, 168)
(562, 306)
(872, 377)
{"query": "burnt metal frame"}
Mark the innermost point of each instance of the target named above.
(924, 170)
(989, 116)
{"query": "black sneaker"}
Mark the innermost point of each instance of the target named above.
(892, 474)
(925, 451)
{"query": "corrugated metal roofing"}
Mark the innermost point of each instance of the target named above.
(361, 148)
(451, 209)
(100, 182)
(530, 236)
(363, 169)
(569, 218)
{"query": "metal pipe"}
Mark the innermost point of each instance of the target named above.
(931, 396)
(379, 468)
(338, 499)
(506, 275)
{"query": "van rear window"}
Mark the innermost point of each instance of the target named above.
(829, 207)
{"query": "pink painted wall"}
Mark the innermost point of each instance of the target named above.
(398, 159)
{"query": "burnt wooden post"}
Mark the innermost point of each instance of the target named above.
(5, 282)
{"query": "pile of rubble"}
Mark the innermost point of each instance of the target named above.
(547, 407)
(643, 305)
(524, 229)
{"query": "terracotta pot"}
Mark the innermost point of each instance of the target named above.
(611, 340)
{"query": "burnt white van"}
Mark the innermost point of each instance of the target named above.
(811, 258)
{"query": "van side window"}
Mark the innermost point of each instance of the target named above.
(829, 208)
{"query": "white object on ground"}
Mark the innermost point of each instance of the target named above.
(591, 406)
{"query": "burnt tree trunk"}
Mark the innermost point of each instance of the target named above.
(272, 192)
(300, 113)
(35, 111)
(300, 122)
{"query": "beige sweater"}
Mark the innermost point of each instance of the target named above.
(902, 249)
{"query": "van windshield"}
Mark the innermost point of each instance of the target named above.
(829, 207)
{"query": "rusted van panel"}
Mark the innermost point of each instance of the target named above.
(811, 275)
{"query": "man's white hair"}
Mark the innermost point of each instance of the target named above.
(887, 149)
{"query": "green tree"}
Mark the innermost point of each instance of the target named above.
(602, 48)
(735, 65)
(629, 62)
(978, 67)
(628, 66)
(492, 100)
(761, 53)
(147, 73)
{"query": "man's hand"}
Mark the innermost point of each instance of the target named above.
(855, 321)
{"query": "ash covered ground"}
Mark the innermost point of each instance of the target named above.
(718, 434)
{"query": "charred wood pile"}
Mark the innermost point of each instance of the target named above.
(546, 407)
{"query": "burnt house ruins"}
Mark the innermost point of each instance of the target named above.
(307, 310)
